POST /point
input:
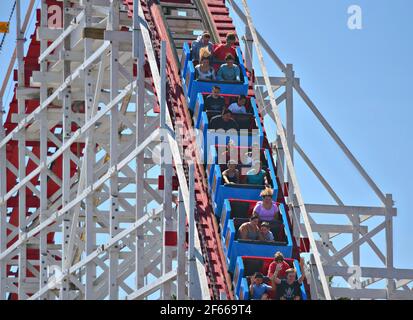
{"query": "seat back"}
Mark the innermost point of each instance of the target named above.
(241, 209)
(230, 99)
(262, 264)
(277, 229)
(240, 153)
(252, 266)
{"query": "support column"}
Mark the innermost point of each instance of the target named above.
(249, 52)
(44, 214)
(181, 256)
(281, 168)
(289, 89)
(192, 270)
(168, 222)
(139, 59)
(90, 160)
(3, 210)
(391, 287)
(289, 100)
(356, 237)
(114, 152)
(356, 251)
(3, 207)
(22, 158)
(66, 132)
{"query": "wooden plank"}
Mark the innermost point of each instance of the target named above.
(181, 13)
(177, 5)
(183, 18)
(186, 25)
(187, 37)
(93, 33)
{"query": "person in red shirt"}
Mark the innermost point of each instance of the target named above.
(222, 50)
(278, 260)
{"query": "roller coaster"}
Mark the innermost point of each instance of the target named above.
(112, 175)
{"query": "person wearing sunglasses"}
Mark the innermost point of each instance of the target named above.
(203, 41)
(267, 209)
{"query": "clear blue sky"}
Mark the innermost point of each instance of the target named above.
(360, 80)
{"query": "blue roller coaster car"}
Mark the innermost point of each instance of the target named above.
(192, 86)
(221, 191)
(235, 216)
(221, 154)
(246, 266)
(200, 106)
(250, 132)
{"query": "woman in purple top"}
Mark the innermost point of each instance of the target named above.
(267, 209)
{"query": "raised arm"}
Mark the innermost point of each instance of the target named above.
(252, 281)
(274, 278)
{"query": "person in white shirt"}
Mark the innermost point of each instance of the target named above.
(204, 71)
(239, 106)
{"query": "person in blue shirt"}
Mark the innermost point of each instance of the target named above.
(229, 71)
(257, 175)
(258, 289)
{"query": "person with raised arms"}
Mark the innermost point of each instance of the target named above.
(289, 288)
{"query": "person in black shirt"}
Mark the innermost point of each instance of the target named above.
(214, 102)
(289, 288)
(223, 121)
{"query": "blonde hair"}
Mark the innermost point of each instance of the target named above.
(267, 192)
(204, 53)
